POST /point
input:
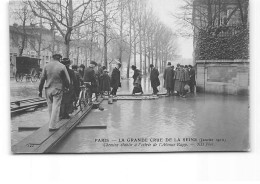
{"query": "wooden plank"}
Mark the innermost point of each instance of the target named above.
(91, 127)
(159, 94)
(50, 143)
(43, 140)
(24, 128)
(22, 109)
(28, 144)
(27, 128)
(31, 104)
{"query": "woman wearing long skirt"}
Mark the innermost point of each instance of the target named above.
(137, 81)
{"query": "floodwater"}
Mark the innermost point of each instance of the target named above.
(201, 122)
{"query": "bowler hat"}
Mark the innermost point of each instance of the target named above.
(151, 65)
(65, 61)
(93, 63)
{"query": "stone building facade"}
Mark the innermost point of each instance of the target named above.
(50, 42)
(223, 76)
(221, 50)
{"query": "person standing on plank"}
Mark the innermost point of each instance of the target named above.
(56, 79)
(90, 76)
(168, 77)
(115, 79)
(154, 77)
(137, 81)
(69, 96)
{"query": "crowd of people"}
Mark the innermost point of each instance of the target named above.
(179, 81)
(63, 84)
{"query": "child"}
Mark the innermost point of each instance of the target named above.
(106, 82)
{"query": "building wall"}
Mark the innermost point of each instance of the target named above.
(78, 49)
(223, 76)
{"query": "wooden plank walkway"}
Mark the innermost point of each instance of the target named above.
(43, 140)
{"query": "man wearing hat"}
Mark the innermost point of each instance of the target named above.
(154, 77)
(168, 78)
(115, 79)
(69, 96)
(56, 78)
(89, 76)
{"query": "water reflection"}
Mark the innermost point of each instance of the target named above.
(200, 116)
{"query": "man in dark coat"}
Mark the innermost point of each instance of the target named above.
(69, 96)
(56, 79)
(99, 78)
(154, 77)
(77, 84)
(192, 82)
(90, 77)
(81, 73)
(115, 79)
(106, 82)
(168, 78)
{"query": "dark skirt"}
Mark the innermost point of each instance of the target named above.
(137, 88)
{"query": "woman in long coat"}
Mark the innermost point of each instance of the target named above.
(137, 80)
(106, 82)
(168, 78)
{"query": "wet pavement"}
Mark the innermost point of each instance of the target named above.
(201, 122)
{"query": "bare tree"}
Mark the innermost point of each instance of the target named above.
(65, 15)
(24, 17)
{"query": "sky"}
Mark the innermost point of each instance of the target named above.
(163, 8)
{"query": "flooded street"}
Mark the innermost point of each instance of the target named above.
(201, 122)
(197, 123)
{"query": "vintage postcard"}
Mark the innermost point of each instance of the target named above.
(127, 76)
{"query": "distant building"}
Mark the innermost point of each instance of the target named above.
(50, 42)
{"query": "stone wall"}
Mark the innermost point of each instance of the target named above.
(223, 76)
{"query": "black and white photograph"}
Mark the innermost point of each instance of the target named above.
(129, 76)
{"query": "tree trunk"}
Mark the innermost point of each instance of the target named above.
(145, 55)
(130, 39)
(209, 10)
(149, 50)
(140, 47)
(121, 32)
(24, 38)
(92, 33)
(134, 30)
(67, 42)
(105, 33)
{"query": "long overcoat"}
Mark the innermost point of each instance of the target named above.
(105, 82)
(168, 78)
(115, 78)
(154, 77)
